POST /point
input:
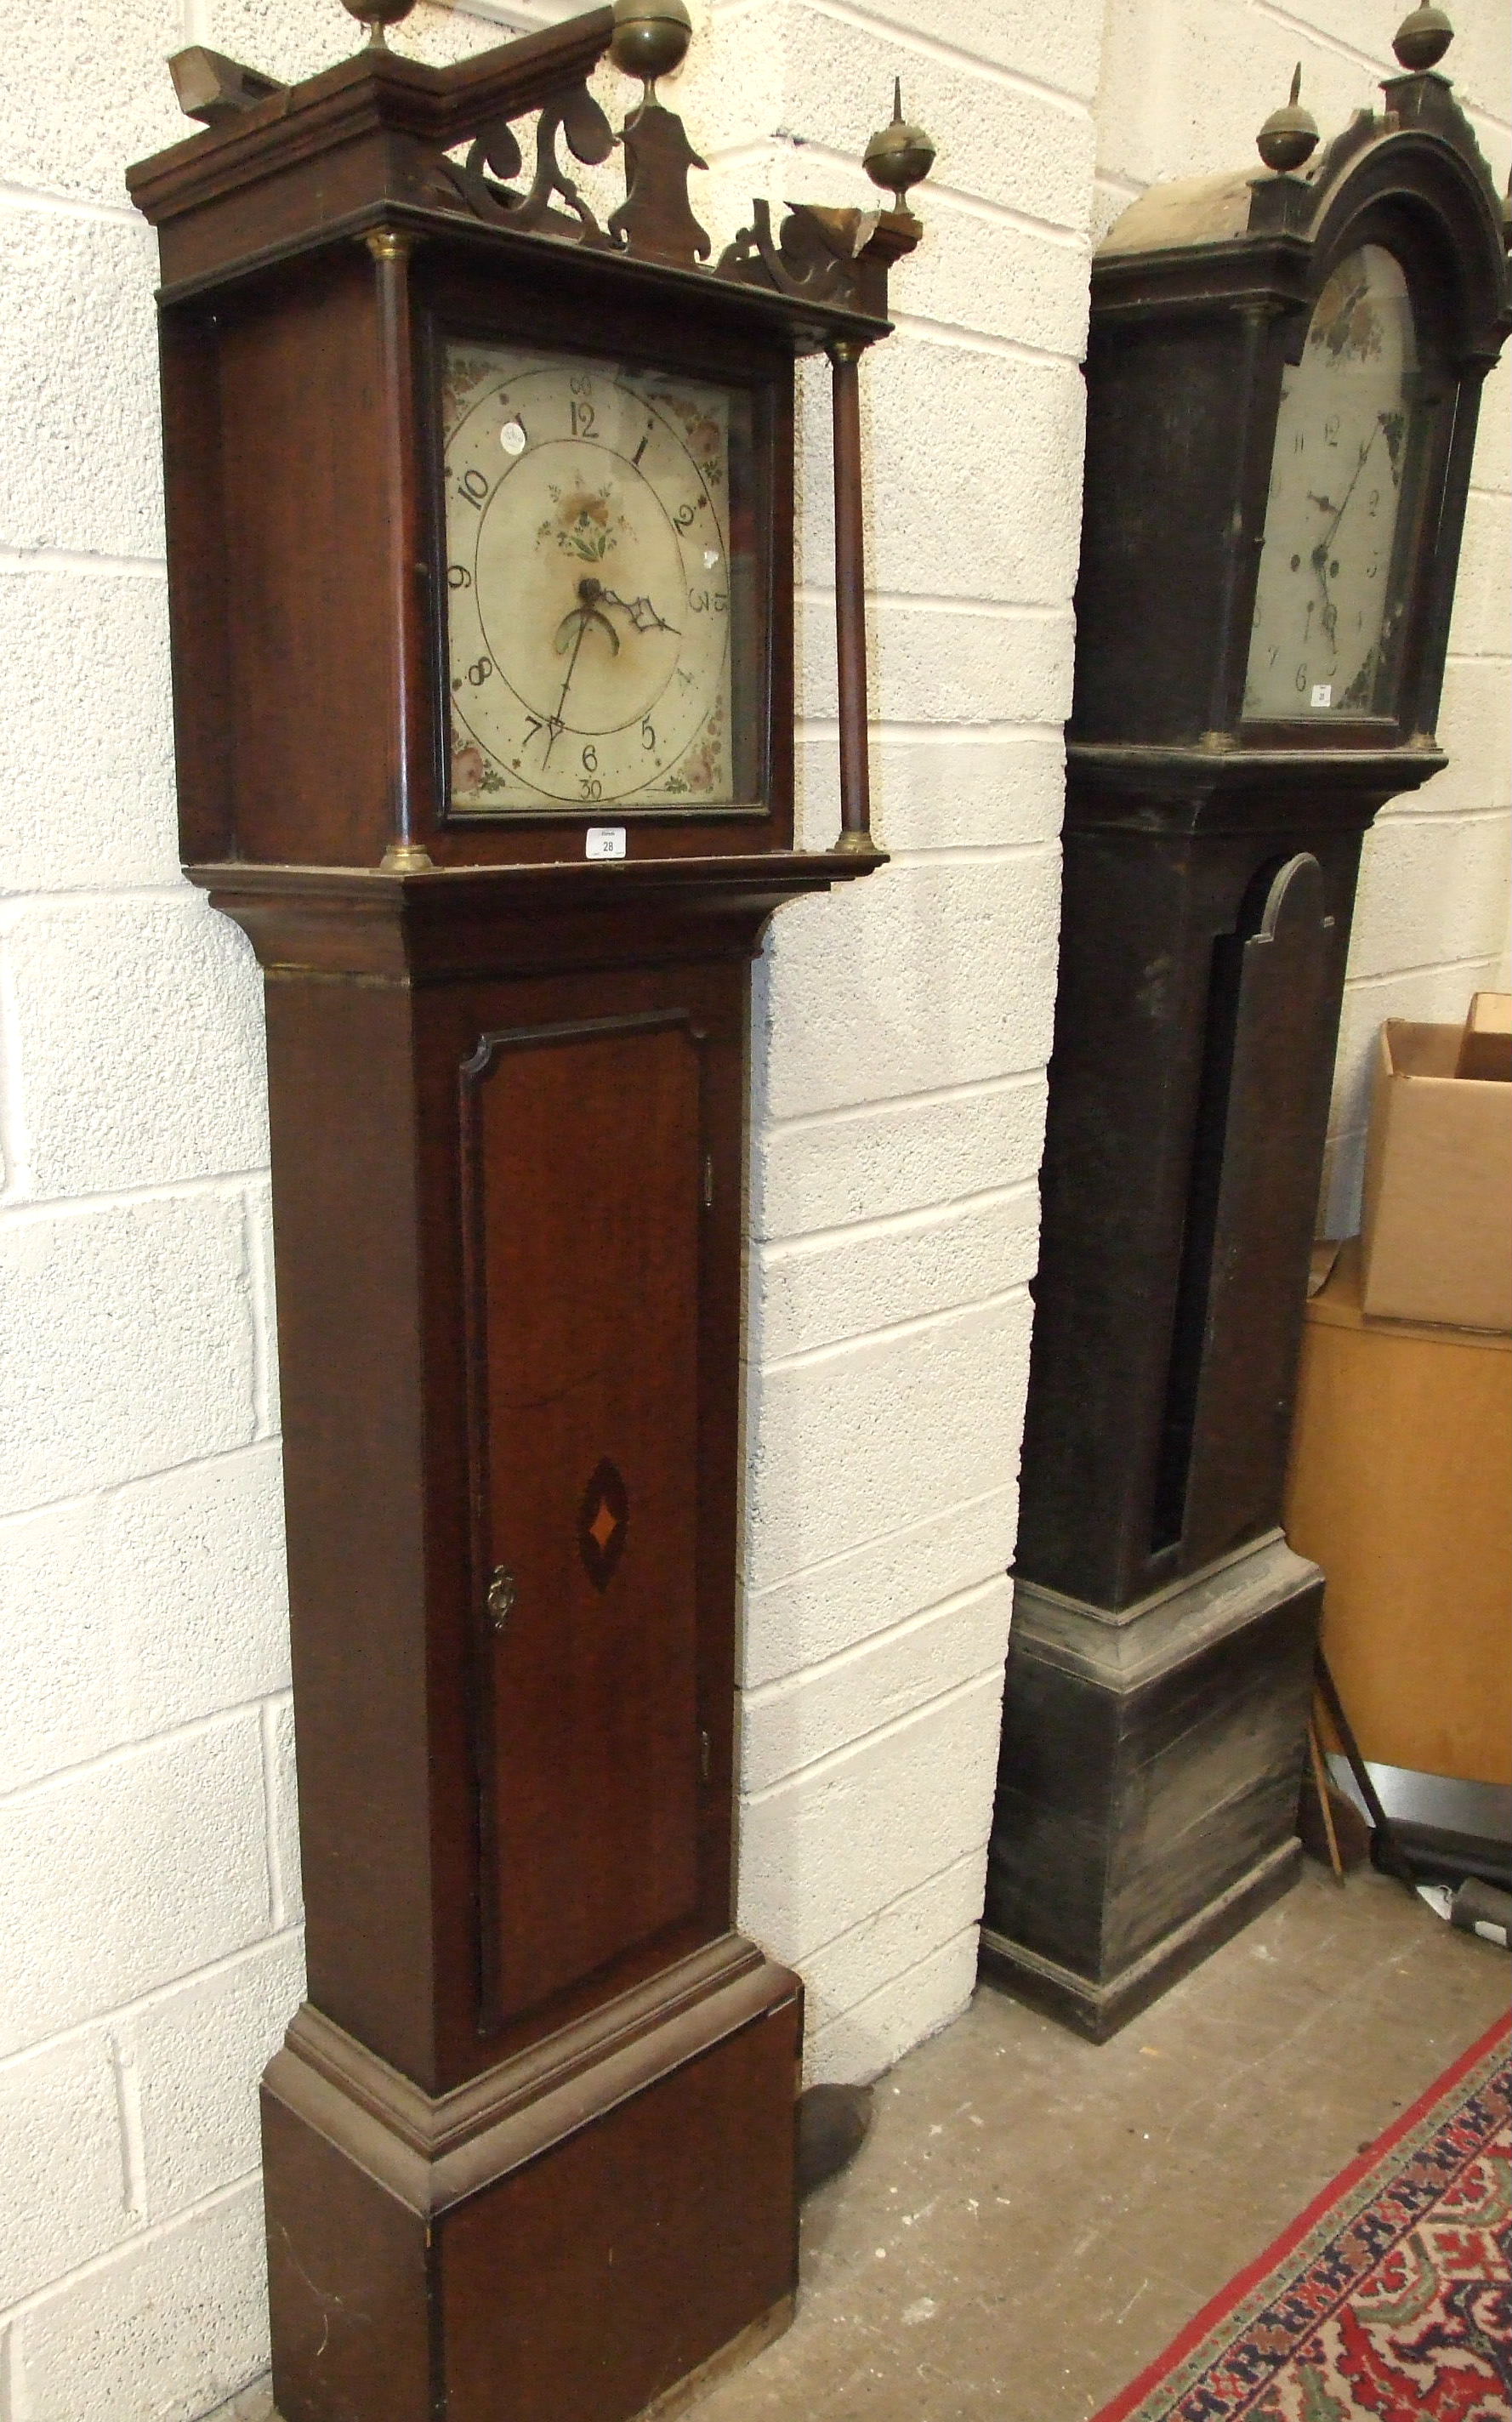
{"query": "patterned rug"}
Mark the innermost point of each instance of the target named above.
(1388, 2301)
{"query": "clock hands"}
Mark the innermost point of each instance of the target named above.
(582, 616)
(641, 611)
(574, 627)
(1321, 553)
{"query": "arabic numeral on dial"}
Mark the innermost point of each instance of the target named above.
(582, 418)
(684, 516)
(590, 789)
(472, 486)
(1302, 677)
(708, 601)
(648, 733)
(478, 673)
(590, 759)
(458, 576)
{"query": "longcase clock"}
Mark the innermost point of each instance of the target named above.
(480, 533)
(1283, 380)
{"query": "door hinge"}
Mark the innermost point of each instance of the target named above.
(706, 1756)
(708, 1181)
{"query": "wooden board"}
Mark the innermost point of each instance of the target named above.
(586, 1178)
(1401, 1488)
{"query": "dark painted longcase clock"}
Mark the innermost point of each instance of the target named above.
(1283, 379)
(479, 534)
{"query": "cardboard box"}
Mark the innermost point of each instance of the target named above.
(1437, 1240)
(1486, 1046)
(1401, 1488)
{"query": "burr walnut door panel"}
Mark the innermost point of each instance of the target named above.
(584, 1151)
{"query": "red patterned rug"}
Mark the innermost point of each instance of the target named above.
(1388, 2301)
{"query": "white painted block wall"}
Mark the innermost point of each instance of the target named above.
(148, 1870)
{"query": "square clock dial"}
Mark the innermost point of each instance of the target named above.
(599, 631)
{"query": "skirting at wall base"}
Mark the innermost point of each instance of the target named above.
(593, 2231)
(1147, 1787)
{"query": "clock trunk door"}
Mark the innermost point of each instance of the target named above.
(586, 1157)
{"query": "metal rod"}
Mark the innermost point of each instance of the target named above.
(390, 252)
(1387, 1852)
(850, 601)
(1320, 1784)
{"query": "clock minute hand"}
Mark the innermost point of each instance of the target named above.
(557, 719)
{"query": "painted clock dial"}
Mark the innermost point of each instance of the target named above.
(592, 609)
(1330, 592)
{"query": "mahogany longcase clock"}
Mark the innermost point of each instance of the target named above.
(479, 532)
(1282, 377)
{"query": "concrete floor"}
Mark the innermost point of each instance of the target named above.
(1032, 2219)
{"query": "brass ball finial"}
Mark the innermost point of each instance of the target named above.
(1289, 135)
(650, 38)
(1422, 39)
(899, 154)
(378, 15)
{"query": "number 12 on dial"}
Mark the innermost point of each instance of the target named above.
(592, 609)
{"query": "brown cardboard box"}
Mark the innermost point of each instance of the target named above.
(1401, 1488)
(1437, 1241)
(1486, 1045)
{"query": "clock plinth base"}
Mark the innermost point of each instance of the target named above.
(1147, 1788)
(590, 2231)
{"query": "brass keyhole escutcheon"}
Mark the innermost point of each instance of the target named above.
(501, 1593)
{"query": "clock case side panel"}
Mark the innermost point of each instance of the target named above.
(274, 470)
(1180, 407)
(456, 297)
(349, 1234)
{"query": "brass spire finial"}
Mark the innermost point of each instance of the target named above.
(900, 154)
(378, 15)
(1422, 39)
(650, 38)
(1289, 135)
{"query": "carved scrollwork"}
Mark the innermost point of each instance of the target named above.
(815, 255)
(494, 156)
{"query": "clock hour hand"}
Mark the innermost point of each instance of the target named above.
(642, 613)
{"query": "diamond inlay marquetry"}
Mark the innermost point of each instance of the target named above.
(602, 1523)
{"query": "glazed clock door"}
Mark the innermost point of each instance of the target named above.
(584, 1161)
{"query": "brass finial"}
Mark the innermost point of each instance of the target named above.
(650, 38)
(1422, 39)
(378, 15)
(898, 155)
(1289, 135)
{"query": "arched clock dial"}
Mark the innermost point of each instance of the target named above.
(1330, 597)
(589, 591)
